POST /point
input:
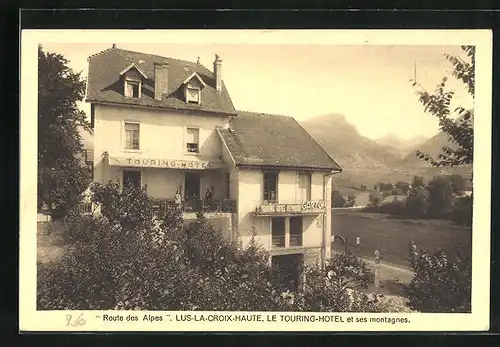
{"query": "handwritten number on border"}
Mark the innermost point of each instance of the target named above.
(74, 322)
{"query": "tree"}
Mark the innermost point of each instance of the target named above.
(417, 203)
(441, 197)
(337, 199)
(403, 187)
(457, 182)
(351, 201)
(460, 132)
(61, 171)
(417, 181)
(440, 283)
(375, 198)
(385, 186)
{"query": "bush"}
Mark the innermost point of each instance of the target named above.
(130, 260)
(440, 284)
(337, 199)
(462, 213)
(385, 186)
(395, 207)
(335, 287)
(351, 201)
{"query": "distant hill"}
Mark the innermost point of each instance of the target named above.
(432, 146)
(365, 161)
(350, 149)
(400, 146)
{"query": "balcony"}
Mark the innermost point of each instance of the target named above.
(295, 240)
(287, 209)
(198, 205)
(278, 241)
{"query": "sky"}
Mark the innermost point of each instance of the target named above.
(369, 85)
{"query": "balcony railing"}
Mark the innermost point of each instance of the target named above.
(311, 207)
(198, 205)
(295, 240)
(278, 241)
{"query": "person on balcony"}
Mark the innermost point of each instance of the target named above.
(208, 200)
(208, 194)
(178, 199)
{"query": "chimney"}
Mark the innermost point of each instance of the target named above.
(161, 80)
(218, 72)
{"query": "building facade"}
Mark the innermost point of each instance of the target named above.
(171, 125)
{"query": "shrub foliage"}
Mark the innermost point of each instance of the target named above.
(440, 284)
(129, 257)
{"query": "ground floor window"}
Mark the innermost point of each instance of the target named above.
(132, 177)
(278, 231)
(289, 268)
(295, 231)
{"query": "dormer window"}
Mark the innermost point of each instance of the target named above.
(193, 95)
(132, 81)
(193, 85)
(132, 89)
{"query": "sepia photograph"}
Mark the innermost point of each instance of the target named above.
(255, 182)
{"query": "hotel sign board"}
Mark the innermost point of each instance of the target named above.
(165, 163)
(283, 209)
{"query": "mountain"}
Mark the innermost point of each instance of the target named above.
(432, 146)
(350, 149)
(399, 145)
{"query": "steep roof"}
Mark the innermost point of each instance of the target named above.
(104, 83)
(257, 139)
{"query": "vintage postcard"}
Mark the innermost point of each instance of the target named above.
(288, 180)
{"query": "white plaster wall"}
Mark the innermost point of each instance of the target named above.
(317, 186)
(249, 196)
(162, 133)
(312, 231)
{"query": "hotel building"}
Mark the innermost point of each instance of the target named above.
(171, 125)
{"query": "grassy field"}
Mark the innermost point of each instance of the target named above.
(391, 236)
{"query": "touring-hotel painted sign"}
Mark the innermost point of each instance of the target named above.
(166, 163)
(305, 207)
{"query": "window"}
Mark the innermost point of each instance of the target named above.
(228, 185)
(132, 89)
(295, 231)
(270, 186)
(193, 140)
(132, 136)
(278, 231)
(132, 177)
(193, 95)
(304, 186)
